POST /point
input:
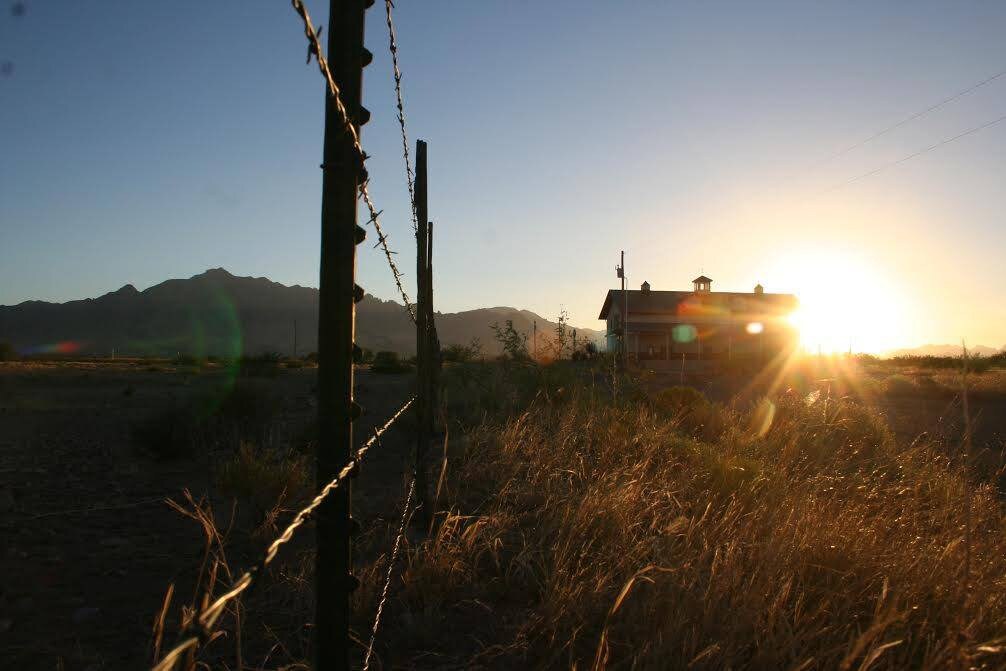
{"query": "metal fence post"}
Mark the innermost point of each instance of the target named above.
(341, 177)
(423, 409)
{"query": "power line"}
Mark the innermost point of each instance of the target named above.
(908, 119)
(904, 159)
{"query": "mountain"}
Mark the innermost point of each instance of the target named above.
(217, 313)
(945, 350)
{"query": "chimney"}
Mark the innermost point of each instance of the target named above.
(759, 289)
(645, 286)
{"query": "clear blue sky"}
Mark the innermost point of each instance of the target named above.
(143, 141)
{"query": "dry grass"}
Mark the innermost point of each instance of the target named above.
(586, 535)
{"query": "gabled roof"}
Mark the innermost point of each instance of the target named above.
(686, 303)
(702, 278)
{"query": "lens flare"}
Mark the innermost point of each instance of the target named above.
(684, 333)
(754, 328)
(64, 347)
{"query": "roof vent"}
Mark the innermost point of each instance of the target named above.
(759, 289)
(702, 284)
(645, 286)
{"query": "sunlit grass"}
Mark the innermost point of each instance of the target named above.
(680, 534)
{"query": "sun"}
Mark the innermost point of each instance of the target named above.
(846, 303)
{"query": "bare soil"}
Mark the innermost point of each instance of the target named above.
(89, 544)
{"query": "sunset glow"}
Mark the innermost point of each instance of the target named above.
(845, 303)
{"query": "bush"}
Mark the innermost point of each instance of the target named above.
(462, 353)
(388, 362)
(362, 355)
(677, 400)
(264, 478)
(206, 423)
(266, 364)
(513, 342)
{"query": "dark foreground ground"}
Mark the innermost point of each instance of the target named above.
(89, 544)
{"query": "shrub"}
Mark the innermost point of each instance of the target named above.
(513, 342)
(186, 360)
(264, 478)
(362, 355)
(388, 362)
(462, 353)
(266, 364)
(676, 400)
(207, 423)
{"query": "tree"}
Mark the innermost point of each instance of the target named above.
(513, 342)
(562, 335)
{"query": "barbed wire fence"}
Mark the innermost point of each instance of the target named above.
(202, 626)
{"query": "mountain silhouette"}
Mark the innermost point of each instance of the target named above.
(946, 350)
(217, 313)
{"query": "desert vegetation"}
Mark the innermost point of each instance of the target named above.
(584, 520)
(667, 531)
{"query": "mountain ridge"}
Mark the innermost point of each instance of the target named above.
(218, 313)
(944, 350)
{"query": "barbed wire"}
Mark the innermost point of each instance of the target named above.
(393, 46)
(391, 566)
(314, 49)
(204, 622)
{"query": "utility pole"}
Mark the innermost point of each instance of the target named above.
(341, 176)
(625, 311)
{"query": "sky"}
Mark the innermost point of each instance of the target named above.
(145, 141)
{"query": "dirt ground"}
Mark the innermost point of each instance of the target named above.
(89, 545)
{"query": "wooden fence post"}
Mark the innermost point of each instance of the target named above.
(340, 234)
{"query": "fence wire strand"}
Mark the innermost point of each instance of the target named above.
(202, 625)
(314, 49)
(406, 508)
(393, 46)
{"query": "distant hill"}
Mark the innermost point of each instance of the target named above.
(944, 350)
(217, 313)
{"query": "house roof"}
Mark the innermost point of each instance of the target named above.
(710, 303)
(702, 278)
